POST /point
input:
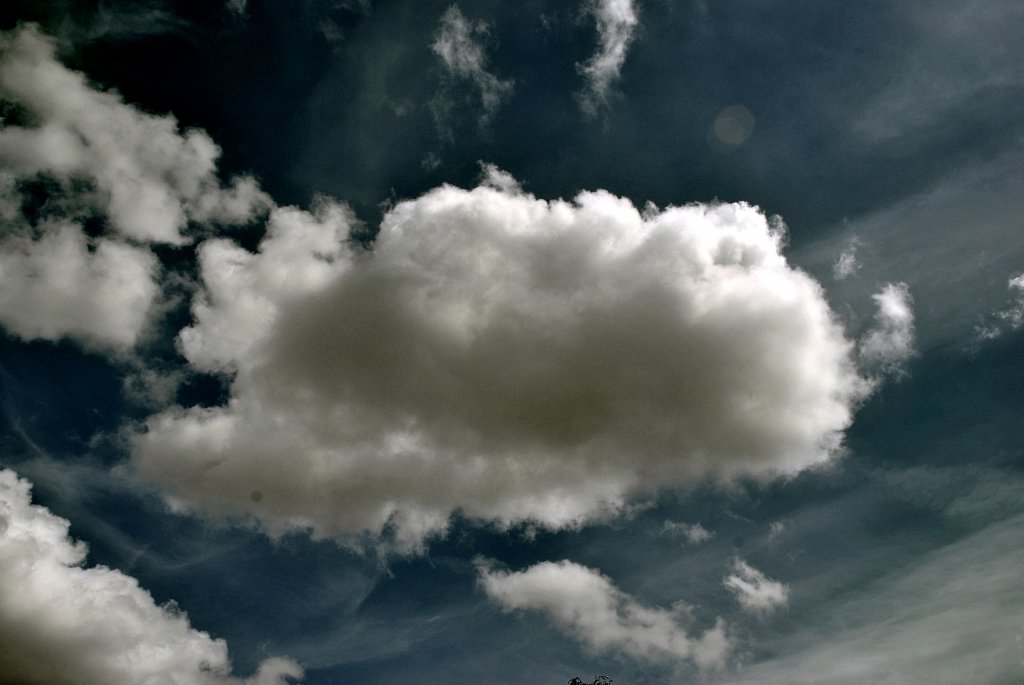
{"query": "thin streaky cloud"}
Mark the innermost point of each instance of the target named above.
(617, 21)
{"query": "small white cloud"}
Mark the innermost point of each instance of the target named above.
(616, 25)
(846, 263)
(64, 624)
(694, 533)
(587, 606)
(239, 7)
(889, 344)
(775, 529)
(755, 592)
(56, 286)
(459, 44)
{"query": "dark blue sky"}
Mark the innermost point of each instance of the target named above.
(297, 451)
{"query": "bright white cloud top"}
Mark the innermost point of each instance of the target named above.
(516, 359)
(585, 604)
(64, 624)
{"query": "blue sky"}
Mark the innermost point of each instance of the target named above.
(365, 341)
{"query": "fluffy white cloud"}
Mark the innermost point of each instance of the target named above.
(300, 255)
(616, 24)
(139, 171)
(513, 358)
(64, 624)
(584, 603)
(149, 177)
(56, 286)
(885, 349)
(459, 44)
(755, 592)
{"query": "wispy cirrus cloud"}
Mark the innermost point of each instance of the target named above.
(617, 21)
(459, 44)
(885, 349)
(953, 616)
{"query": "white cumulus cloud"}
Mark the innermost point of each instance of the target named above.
(617, 21)
(754, 591)
(149, 177)
(516, 359)
(585, 604)
(141, 173)
(65, 624)
(885, 349)
(56, 286)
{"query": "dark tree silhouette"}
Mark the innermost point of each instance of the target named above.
(599, 680)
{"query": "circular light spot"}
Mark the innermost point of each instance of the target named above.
(733, 125)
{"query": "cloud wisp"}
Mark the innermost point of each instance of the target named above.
(62, 623)
(517, 359)
(585, 604)
(693, 533)
(953, 617)
(755, 592)
(885, 349)
(1010, 317)
(617, 21)
(846, 263)
(459, 44)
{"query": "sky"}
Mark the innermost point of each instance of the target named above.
(368, 341)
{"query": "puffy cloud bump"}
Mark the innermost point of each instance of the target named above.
(55, 286)
(140, 173)
(509, 357)
(62, 624)
(151, 178)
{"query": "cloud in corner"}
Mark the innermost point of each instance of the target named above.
(63, 624)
